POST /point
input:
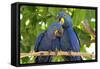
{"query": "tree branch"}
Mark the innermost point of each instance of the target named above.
(56, 53)
(88, 27)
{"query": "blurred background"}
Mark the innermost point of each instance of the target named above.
(36, 19)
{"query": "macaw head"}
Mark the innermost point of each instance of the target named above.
(64, 19)
(58, 32)
(55, 30)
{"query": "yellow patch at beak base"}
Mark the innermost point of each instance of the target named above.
(56, 31)
(62, 20)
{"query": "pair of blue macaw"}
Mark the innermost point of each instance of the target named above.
(60, 36)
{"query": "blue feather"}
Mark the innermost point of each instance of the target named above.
(69, 40)
(47, 41)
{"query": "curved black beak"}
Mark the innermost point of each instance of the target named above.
(59, 33)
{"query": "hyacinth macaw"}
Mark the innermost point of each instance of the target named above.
(69, 40)
(48, 41)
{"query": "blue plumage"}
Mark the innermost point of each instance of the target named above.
(69, 40)
(48, 41)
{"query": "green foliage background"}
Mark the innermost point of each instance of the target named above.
(35, 19)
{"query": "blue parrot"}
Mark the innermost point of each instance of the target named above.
(69, 40)
(48, 41)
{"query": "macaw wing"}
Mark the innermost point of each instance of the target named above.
(74, 41)
(72, 44)
(78, 41)
(38, 41)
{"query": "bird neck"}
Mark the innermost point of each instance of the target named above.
(68, 30)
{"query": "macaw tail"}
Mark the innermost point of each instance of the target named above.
(43, 59)
(72, 58)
